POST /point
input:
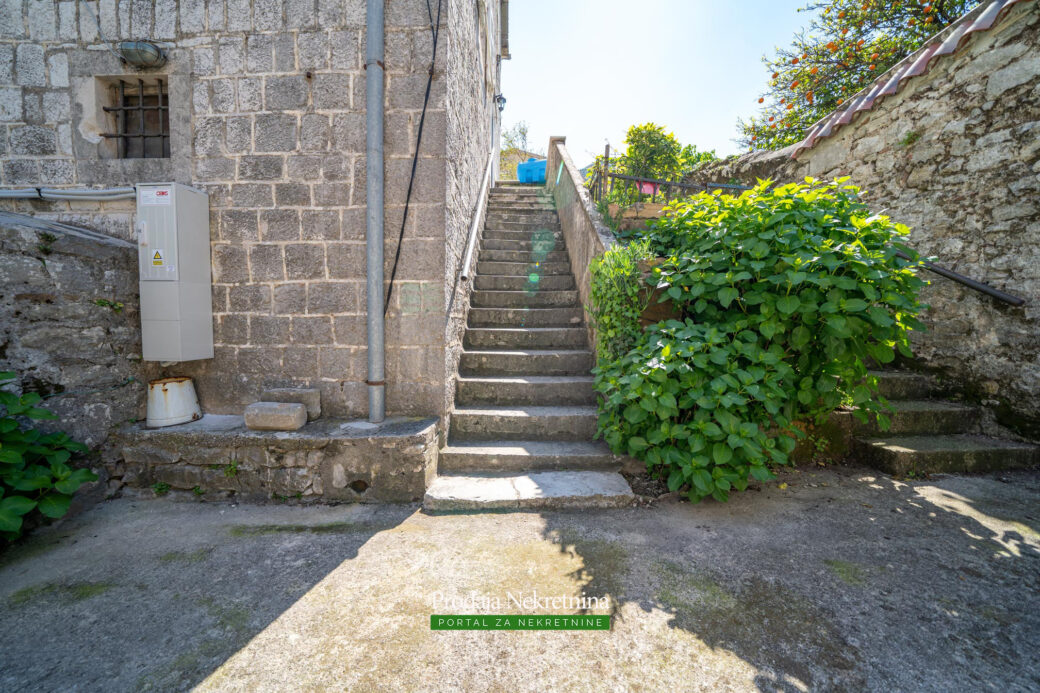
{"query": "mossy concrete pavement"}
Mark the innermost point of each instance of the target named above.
(843, 580)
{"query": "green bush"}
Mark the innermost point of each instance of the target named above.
(34, 470)
(617, 297)
(783, 295)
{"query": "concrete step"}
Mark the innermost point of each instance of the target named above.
(902, 455)
(522, 202)
(544, 244)
(916, 416)
(529, 217)
(552, 282)
(490, 255)
(524, 390)
(510, 224)
(537, 298)
(522, 193)
(521, 198)
(556, 490)
(526, 455)
(527, 362)
(525, 338)
(903, 384)
(514, 269)
(526, 317)
(523, 423)
(505, 184)
(534, 235)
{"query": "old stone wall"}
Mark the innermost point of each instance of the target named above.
(69, 328)
(955, 155)
(217, 457)
(584, 232)
(267, 115)
(473, 71)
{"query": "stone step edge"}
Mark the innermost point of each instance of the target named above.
(533, 491)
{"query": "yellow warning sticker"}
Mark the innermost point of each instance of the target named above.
(157, 259)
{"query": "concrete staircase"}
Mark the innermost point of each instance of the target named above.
(522, 429)
(929, 434)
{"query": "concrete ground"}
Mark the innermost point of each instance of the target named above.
(842, 581)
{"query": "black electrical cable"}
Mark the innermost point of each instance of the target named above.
(435, 31)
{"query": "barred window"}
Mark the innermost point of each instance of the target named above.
(138, 119)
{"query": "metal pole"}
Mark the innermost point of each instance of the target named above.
(374, 209)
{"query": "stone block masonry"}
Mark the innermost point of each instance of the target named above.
(955, 155)
(267, 116)
(70, 328)
(327, 459)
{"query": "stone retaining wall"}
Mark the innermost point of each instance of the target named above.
(328, 459)
(955, 154)
(70, 328)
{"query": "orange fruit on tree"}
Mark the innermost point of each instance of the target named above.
(775, 75)
(794, 61)
(873, 56)
(813, 70)
(760, 99)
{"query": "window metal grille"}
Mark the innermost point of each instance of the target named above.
(142, 120)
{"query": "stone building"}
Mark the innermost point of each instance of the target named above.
(948, 142)
(263, 106)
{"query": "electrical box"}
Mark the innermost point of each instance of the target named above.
(176, 293)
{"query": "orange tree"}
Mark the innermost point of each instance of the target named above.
(847, 45)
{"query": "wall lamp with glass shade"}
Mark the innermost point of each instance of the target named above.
(501, 101)
(142, 54)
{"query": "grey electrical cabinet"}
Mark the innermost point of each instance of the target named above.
(176, 294)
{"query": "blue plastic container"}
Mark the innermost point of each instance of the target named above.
(531, 171)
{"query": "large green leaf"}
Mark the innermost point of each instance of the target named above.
(788, 304)
(55, 505)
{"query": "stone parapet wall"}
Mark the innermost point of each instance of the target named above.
(955, 155)
(586, 235)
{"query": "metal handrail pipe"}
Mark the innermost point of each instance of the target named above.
(968, 282)
(474, 225)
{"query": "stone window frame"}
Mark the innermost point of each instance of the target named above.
(90, 73)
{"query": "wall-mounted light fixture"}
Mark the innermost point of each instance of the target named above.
(142, 54)
(501, 101)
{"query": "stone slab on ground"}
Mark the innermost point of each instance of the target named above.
(845, 580)
(528, 490)
(310, 397)
(275, 416)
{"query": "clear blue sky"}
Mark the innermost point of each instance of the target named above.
(588, 69)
